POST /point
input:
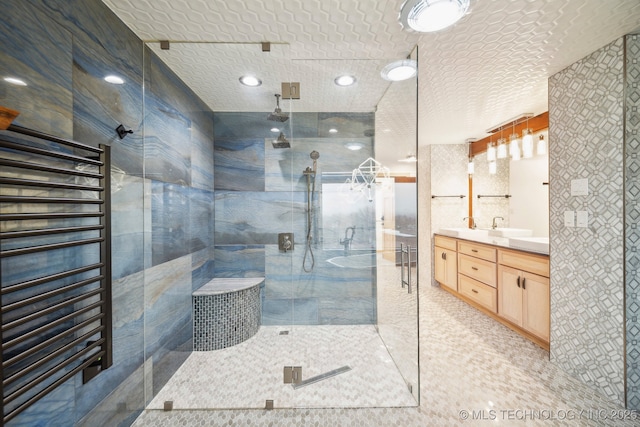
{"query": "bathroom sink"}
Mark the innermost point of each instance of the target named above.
(464, 233)
(534, 244)
(510, 232)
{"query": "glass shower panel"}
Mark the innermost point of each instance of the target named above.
(239, 190)
(397, 228)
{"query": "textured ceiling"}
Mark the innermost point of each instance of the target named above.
(491, 66)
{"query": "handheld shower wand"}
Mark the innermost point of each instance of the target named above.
(311, 189)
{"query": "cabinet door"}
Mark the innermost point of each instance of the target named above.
(536, 304)
(510, 294)
(446, 270)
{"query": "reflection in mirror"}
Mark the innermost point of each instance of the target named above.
(525, 181)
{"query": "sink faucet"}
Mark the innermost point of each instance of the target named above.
(494, 225)
(473, 221)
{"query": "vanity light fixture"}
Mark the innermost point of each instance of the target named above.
(344, 80)
(400, 70)
(275, 130)
(251, 81)
(501, 151)
(333, 130)
(491, 152)
(527, 144)
(431, 15)
(113, 79)
(542, 145)
(514, 147)
(493, 167)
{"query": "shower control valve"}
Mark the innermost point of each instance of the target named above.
(285, 242)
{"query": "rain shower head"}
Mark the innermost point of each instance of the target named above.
(314, 155)
(281, 142)
(278, 115)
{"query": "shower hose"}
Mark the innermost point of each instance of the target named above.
(308, 251)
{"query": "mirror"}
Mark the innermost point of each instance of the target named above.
(517, 193)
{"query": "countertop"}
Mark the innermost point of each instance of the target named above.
(504, 242)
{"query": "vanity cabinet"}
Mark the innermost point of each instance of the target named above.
(523, 295)
(445, 262)
(509, 285)
(477, 274)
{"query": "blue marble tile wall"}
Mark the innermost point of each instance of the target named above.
(162, 189)
(261, 191)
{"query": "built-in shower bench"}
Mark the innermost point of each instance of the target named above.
(226, 312)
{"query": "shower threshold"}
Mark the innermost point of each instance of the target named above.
(321, 377)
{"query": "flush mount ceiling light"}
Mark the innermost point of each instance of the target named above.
(113, 79)
(411, 158)
(400, 70)
(250, 81)
(345, 80)
(431, 15)
(15, 81)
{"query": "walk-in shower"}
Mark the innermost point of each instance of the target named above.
(331, 300)
(310, 175)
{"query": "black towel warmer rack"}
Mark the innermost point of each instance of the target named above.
(54, 226)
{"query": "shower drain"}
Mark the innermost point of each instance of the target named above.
(284, 332)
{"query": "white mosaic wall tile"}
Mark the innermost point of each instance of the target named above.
(632, 218)
(586, 123)
(448, 178)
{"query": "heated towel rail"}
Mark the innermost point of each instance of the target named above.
(55, 251)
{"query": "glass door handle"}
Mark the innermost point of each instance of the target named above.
(405, 249)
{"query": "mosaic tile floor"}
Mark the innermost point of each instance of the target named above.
(252, 372)
(474, 372)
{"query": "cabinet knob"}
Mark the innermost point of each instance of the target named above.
(518, 281)
(523, 287)
(474, 291)
(474, 268)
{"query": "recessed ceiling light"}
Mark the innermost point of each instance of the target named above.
(354, 146)
(275, 130)
(431, 15)
(345, 80)
(114, 79)
(251, 81)
(332, 130)
(400, 70)
(15, 81)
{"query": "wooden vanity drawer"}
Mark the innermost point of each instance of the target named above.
(478, 292)
(479, 269)
(537, 264)
(477, 250)
(445, 243)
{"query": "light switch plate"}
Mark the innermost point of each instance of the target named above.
(580, 187)
(582, 218)
(569, 219)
